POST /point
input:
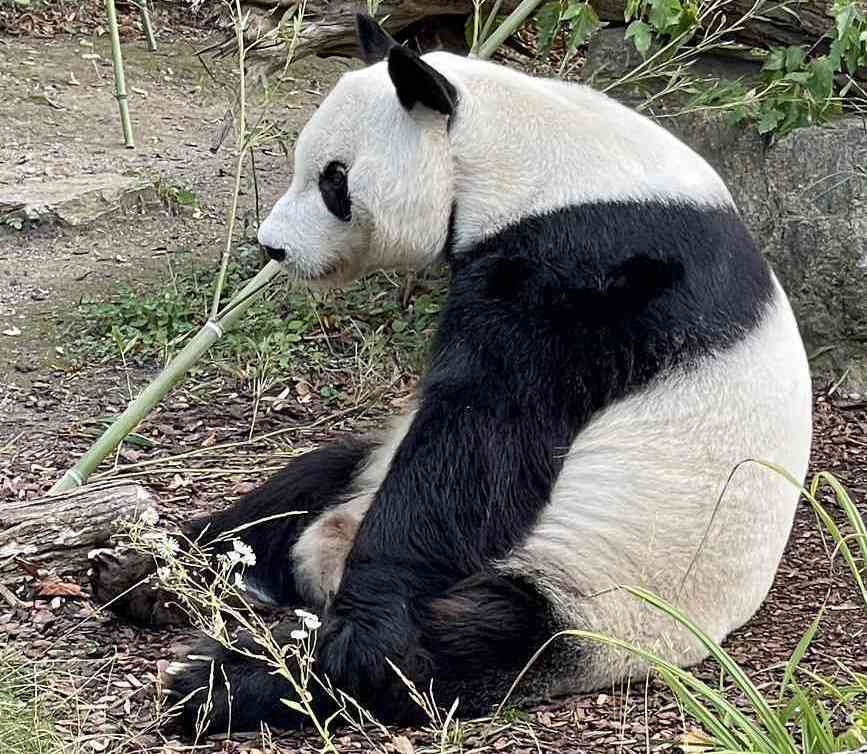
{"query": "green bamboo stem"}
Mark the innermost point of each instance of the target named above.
(171, 374)
(119, 80)
(148, 27)
(486, 29)
(507, 28)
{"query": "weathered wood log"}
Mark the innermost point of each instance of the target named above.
(58, 531)
(329, 25)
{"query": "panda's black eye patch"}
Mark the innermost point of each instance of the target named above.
(335, 190)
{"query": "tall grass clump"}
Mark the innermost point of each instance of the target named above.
(25, 725)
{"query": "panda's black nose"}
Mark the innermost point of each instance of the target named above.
(278, 255)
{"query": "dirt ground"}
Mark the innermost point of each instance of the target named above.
(107, 668)
(51, 128)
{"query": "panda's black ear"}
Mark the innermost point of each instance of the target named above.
(416, 81)
(373, 41)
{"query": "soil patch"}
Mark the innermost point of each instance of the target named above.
(59, 119)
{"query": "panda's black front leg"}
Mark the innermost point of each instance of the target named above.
(311, 483)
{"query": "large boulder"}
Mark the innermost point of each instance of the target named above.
(804, 198)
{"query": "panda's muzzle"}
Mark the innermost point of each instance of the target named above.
(278, 255)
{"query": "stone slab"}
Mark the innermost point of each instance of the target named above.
(75, 201)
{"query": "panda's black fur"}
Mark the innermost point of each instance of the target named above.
(545, 323)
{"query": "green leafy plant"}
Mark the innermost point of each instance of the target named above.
(666, 19)
(575, 19)
(176, 196)
(17, 221)
(802, 89)
(341, 342)
(797, 88)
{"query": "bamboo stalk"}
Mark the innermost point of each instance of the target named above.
(486, 29)
(171, 374)
(507, 28)
(119, 80)
(148, 27)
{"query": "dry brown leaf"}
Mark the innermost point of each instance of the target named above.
(58, 588)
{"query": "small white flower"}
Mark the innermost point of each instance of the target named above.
(243, 553)
(311, 622)
(149, 517)
(163, 573)
(298, 634)
(168, 546)
(239, 582)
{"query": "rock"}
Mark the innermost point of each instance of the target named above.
(74, 201)
(804, 198)
(610, 56)
(805, 202)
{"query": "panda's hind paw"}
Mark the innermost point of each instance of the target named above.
(212, 689)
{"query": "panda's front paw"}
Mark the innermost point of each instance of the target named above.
(122, 582)
(212, 689)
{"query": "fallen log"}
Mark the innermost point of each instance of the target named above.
(329, 25)
(57, 532)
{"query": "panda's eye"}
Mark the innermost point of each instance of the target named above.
(335, 191)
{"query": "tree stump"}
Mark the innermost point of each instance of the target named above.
(57, 532)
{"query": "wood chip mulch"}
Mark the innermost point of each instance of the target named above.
(103, 672)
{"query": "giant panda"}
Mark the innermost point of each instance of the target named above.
(612, 347)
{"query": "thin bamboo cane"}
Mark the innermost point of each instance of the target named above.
(486, 29)
(119, 80)
(159, 388)
(148, 27)
(243, 145)
(511, 24)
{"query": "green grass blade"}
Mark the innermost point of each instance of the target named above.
(776, 731)
(848, 507)
(800, 650)
(761, 742)
(708, 719)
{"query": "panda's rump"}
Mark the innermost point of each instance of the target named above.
(645, 499)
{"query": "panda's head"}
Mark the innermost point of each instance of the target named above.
(373, 180)
(409, 154)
